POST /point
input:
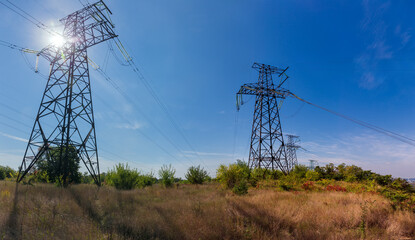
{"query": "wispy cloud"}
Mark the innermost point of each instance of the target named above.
(209, 154)
(370, 151)
(133, 126)
(13, 137)
(381, 38)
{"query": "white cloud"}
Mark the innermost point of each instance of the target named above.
(382, 37)
(133, 126)
(13, 137)
(373, 152)
(209, 154)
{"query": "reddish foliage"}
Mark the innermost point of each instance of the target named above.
(335, 188)
(308, 185)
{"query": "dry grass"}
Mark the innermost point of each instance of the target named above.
(194, 212)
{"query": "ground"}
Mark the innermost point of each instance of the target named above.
(44, 211)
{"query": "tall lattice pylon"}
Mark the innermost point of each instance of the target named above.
(292, 147)
(65, 119)
(267, 148)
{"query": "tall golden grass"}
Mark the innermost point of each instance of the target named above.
(44, 211)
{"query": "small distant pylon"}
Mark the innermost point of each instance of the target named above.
(312, 164)
(291, 149)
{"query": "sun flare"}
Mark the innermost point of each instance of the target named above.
(57, 41)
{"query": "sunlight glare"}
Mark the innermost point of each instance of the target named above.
(57, 41)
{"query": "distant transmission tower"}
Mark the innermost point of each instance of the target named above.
(292, 146)
(267, 142)
(312, 164)
(65, 119)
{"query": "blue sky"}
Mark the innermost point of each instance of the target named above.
(354, 57)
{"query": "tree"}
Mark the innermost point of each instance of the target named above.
(63, 170)
(166, 174)
(196, 175)
(6, 172)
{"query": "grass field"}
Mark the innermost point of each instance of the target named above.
(44, 211)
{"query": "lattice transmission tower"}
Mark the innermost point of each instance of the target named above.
(267, 149)
(65, 119)
(292, 147)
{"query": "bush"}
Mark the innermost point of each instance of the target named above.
(241, 188)
(6, 172)
(308, 186)
(299, 171)
(196, 175)
(63, 170)
(231, 175)
(285, 186)
(401, 184)
(166, 174)
(312, 175)
(145, 180)
(122, 177)
(383, 180)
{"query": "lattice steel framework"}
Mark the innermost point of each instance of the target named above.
(291, 147)
(65, 117)
(267, 148)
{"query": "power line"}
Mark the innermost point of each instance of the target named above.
(29, 17)
(115, 86)
(389, 133)
(152, 92)
(131, 63)
(127, 97)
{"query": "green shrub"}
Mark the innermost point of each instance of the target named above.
(6, 172)
(257, 174)
(312, 175)
(122, 177)
(145, 180)
(230, 175)
(401, 184)
(196, 175)
(166, 174)
(65, 170)
(351, 178)
(383, 180)
(285, 186)
(299, 171)
(241, 188)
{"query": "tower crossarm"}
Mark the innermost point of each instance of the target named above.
(92, 21)
(256, 89)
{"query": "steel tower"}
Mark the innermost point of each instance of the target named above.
(65, 119)
(267, 148)
(292, 146)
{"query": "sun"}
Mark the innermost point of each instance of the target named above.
(57, 41)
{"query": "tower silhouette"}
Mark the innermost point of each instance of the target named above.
(267, 149)
(65, 124)
(291, 147)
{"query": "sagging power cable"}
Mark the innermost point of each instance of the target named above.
(383, 131)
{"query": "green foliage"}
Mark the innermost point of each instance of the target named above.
(231, 175)
(285, 186)
(241, 188)
(166, 174)
(145, 180)
(196, 175)
(66, 171)
(41, 176)
(311, 175)
(6, 172)
(383, 180)
(299, 171)
(401, 184)
(125, 178)
(328, 178)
